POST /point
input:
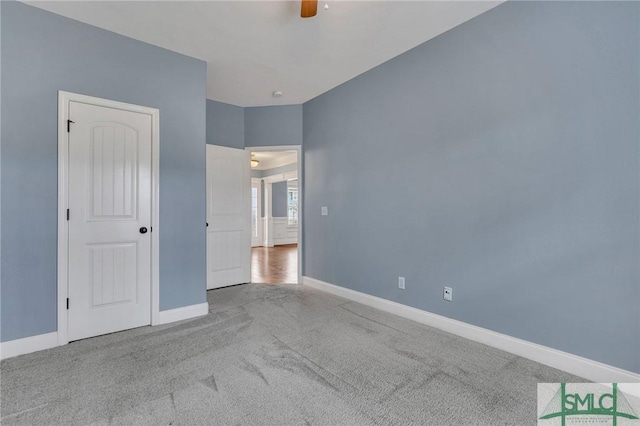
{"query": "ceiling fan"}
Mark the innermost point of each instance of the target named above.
(309, 8)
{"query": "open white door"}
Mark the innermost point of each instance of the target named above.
(228, 216)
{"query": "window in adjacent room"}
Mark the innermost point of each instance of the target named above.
(254, 211)
(292, 202)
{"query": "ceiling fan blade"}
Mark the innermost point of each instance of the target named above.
(309, 8)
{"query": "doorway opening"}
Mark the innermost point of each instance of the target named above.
(276, 213)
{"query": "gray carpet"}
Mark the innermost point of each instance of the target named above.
(274, 355)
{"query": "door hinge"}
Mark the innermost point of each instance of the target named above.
(69, 125)
(67, 303)
(67, 214)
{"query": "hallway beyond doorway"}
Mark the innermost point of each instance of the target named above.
(275, 265)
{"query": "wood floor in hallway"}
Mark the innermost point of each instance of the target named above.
(274, 265)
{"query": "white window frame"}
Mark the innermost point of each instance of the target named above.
(260, 236)
(289, 224)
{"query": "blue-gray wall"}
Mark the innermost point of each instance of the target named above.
(225, 124)
(42, 53)
(279, 199)
(237, 127)
(500, 158)
(273, 125)
(269, 172)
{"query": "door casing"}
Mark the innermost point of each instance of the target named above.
(63, 202)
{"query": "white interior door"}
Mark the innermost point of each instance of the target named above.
(228, 216)
(256, 215)
(109, 209)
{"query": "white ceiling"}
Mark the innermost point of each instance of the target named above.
(256, 47)
(270, 159)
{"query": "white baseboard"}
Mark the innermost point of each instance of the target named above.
(50, 340)
(28, 344)
(579, 366)
(285, 241)
(179, 314)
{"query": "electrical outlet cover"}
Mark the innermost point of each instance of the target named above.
(448, 294)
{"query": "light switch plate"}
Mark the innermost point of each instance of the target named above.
(324, 211)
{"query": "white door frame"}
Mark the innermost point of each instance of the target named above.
(63, 202)
(298, 149)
